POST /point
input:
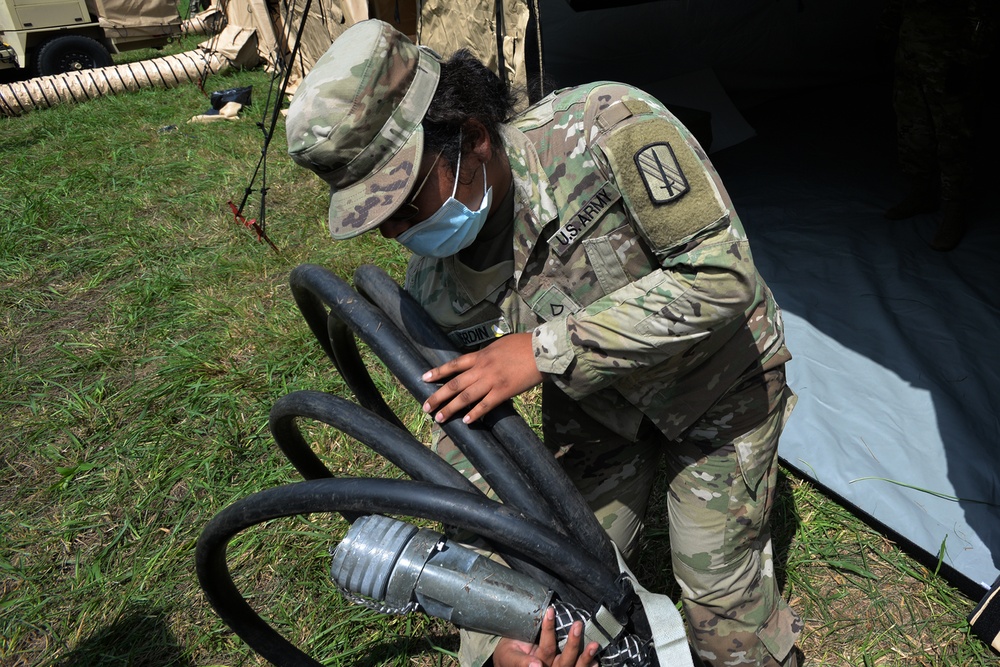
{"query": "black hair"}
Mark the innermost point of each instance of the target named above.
(467, 90)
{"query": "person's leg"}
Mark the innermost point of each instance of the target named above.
(614, 474)
(953, 102)
(723, 477)
(915, 138)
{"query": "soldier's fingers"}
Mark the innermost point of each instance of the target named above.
(449, 368)
(547, 645)
(571, 651)
(449, 390)
(482, 407)
(456, 395)
(588, 657)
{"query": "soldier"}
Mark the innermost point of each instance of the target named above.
(942, 50)
(591, 240)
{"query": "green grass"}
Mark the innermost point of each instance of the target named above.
(144, 336)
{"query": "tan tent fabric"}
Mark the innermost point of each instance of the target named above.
(443, 25)
(515, 27)
(238, 45)
(449, 25)
(267, 34)
(326, 21)
(135, 13)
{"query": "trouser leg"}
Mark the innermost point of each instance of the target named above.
(614, 475)
(723, 479)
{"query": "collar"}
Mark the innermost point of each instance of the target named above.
(534, 203)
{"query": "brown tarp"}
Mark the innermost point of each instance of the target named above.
(135, 13)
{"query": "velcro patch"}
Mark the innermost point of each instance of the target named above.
(663, 182)
(552, 303)
(483, 332)
(662, 174)
(584, 218)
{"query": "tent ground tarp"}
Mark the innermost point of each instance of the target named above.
(895, 357)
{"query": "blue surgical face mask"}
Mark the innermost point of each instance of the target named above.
(451, 228)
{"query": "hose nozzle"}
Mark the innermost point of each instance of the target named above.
(407, 567)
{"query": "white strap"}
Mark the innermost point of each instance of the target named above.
(602, 628)
(669, 638)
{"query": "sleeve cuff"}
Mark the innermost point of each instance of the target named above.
(553, 353)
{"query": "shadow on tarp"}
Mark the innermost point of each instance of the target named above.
(896, 362)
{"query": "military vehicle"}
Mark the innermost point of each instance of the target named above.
(43, 37)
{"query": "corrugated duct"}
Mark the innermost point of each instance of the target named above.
(207, 22)
(45, 91)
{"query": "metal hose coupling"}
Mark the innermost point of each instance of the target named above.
(394, 567)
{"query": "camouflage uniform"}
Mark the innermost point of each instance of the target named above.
(633, 272)
(658, 338)
(942, 48)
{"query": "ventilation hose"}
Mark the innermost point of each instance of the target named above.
(42, 92)
(528, 528)
(206, 22)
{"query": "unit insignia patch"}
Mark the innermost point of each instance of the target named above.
(662, 174)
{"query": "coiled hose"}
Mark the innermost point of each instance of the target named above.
(542, 528)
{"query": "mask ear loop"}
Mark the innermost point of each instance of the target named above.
(426, 177)
(458, 170)
(458, 167)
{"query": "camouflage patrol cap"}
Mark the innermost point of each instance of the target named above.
(355, 121)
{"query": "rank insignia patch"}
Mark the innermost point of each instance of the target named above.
(662, 174)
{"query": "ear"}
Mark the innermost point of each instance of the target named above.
(476, 141)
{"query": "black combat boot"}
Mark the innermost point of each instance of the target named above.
(922, 197)
(951, 228)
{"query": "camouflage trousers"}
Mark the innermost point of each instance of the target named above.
(722, 478)
(937, 90)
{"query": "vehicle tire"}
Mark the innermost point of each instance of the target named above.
(70, 53)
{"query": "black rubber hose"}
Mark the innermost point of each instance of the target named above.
(509, 428)
(471, 511)
(313, 286)
(347, 359)
(406, 313)
(337, 341)
(396, 445)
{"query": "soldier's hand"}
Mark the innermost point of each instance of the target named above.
(513, 653)
(484, 379)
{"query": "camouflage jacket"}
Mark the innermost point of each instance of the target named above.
(631, 267)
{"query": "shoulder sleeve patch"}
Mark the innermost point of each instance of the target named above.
(663, 182)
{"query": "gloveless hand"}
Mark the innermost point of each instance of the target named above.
(483, 379)
(513, 653)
